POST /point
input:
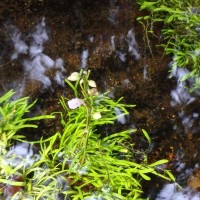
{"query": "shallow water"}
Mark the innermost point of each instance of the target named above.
(42, 42)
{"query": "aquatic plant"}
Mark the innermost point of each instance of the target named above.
(12, 118)
(180, 31)
(100, 167)
(80, 162)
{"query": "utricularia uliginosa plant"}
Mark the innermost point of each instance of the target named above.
(79, 162)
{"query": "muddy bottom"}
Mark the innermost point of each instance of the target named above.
(105, 37)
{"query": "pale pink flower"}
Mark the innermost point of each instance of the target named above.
(75, 103)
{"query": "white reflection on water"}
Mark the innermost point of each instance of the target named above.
(84, 58)
(173, 192)
(21, 154)
(133, 46)
(36, 64)
(180, 95)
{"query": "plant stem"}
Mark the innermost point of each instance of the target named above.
(89, 102)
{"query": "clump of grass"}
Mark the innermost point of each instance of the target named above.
(78, 162)
(12, 118)
(181, 31)
(97, 167)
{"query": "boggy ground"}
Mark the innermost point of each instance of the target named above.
(89, 24)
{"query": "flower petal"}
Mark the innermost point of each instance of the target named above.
(93, 92)
(96, 115)
(75, 103)
(92, 83)
(74, 76)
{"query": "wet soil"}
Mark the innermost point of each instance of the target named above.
(71, 27)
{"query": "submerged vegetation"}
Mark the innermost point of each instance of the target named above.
(181, 32)
(78, 162)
